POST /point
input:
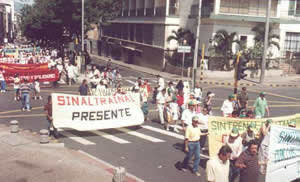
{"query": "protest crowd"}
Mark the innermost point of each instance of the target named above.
(180, 109)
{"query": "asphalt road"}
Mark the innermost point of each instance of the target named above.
(147, 151)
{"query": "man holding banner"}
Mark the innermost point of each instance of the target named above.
(248, 163)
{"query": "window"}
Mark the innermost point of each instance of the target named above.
(139, 33)
(292, 42)
(294, 7)
(132, 32)
(243, 41)
(148, 34)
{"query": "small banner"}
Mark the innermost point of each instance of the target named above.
(29, 72)
(86, 113)
(284, 154)
(220, 127)
(112, 91)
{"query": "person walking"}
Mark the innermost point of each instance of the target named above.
(234, 141)
(243, 99)
(188, 114)
(203, 124)
(227, 107)
(192, 137)
(48, 111)
(84, 88)
(2, 81)
(217, 168)
(25, 95)
(208, 102)
(260, 106)
(248, 163)
(248, 135)
(161, 99)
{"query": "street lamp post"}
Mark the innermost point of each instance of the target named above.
(82, 27)
(82, 39)
(196, 46)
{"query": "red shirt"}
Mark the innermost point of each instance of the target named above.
(180, 100)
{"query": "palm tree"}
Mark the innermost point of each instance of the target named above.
(222, 46)
(259, 38)
(182, 34)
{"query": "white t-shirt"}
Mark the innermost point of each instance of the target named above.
(203, 121)
(175, 110)
(187, 116)
(236, 147)
(227, 107)
(16, 83)
(161, 82)
(161, 99)
(217, 171)
(198, 92)
(1, 76)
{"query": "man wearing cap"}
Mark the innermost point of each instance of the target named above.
(192, 137)
(161, 99)
(203, 125)
(260, 106)
(234, 141)
(187, 114)
(243, 99)
(248, 135)
(227, 107)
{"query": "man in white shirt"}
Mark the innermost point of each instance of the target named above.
(217, 168)
(161, 99)
(227, 107)
(234, 141)
(187, 115)
(161, 82)
(203, 125)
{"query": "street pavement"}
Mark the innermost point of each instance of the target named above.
(147, 151)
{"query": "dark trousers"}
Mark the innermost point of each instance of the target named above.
(203, 138)
(233, 171)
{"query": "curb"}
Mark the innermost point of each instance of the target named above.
(250, 84)
(110, 168)
(210, 82)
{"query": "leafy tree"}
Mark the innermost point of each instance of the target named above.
(180, 35)
(54, 22)
(259, 38)
(223, 42)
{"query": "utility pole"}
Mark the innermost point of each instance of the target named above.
(266, 43)
(196, 46)
(82, 27)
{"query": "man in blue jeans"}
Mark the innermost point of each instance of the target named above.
(192, 137)
(2, 81)
(25, 95)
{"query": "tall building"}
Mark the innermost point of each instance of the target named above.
(139, 35)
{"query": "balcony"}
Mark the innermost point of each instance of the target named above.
(160, 11)
(140, 12)
(149, 11)
(205, 11)
(125, 12)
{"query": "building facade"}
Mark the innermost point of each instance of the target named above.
(140, 32)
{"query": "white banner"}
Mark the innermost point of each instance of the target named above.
(284, 154)
(86, 113)
(112, 91)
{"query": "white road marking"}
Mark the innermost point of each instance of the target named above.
(140, 135)
(110, 137)
(175, 135)
(77, 138)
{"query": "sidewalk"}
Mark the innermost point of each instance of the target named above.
(272, 79)
(23, 159)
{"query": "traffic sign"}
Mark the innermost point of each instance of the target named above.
(184, 49)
